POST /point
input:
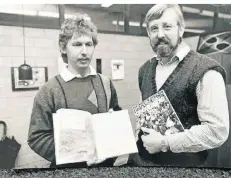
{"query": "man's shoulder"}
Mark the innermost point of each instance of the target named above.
(201, 58)
(48, 87)
(146, 65)
(51, 83)
(104, 77)
(207, 63)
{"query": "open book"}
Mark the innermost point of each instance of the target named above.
(156, 112)
(83, 137)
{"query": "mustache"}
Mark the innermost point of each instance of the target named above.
(161, 40)
(84, 58)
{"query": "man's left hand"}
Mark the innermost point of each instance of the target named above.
(152, 141)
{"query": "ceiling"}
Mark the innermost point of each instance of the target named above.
(199, 18)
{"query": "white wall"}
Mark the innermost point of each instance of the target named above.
(41, 49)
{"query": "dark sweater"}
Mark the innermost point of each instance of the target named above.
(74, 94)
(180, 88)
(77, 92)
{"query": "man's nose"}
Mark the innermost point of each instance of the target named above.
(83, 50)
(160, 33)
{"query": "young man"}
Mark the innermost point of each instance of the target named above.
(78, 86)
(195, 86)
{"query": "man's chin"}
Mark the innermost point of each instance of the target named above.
(83, 66)
(164, 52)
(84, 63)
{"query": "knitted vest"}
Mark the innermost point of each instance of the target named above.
(180, 87)
(101, 85)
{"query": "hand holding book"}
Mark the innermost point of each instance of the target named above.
(152, 140)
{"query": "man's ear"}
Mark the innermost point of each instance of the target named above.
(62, 48)
(148, 32)
(181, 31)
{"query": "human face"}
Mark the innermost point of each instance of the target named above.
(165, 33)
(79, 50)
(1, 131)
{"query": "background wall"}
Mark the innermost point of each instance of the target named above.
(41, 49)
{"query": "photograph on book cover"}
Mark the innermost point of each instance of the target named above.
(126, 85)
(156, 112)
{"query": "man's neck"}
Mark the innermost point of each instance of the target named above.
(81, 71)
(165, 60)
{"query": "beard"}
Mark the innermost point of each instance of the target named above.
(163, 47)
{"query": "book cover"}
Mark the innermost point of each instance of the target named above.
(156, 112)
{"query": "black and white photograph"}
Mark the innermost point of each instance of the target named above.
(115, 85)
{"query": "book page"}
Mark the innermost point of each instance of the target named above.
(71, 140)
(113, 134)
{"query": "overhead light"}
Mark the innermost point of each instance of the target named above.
(144, 25)
(207, 13)
(197, 11)
(131, 23)
(204, 12)
(194, 30)
(67, 16)
(48, 14)
(137, 24)
(106, 5)
(114, 22)
(30, 13)
(225, 16)
(25, 12)
(190, 10)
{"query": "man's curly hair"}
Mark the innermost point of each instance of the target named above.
(79, 25)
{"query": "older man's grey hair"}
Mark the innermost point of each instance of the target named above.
(157, 11)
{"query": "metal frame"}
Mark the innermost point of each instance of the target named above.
(25, 89)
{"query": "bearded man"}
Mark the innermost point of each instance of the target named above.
(195, 86)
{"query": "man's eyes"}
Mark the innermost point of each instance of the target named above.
(80, 44)
(165, 27)
(76, 44)
(89, 44)
(154, 28)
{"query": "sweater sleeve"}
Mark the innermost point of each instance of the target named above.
(114, 99)
(40, 136)
(214, 116)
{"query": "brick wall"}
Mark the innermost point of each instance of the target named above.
(41, 49)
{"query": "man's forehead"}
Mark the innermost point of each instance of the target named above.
(81, 37)
(169, 16)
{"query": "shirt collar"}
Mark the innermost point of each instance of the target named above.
(181, 51)
(67, 75)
